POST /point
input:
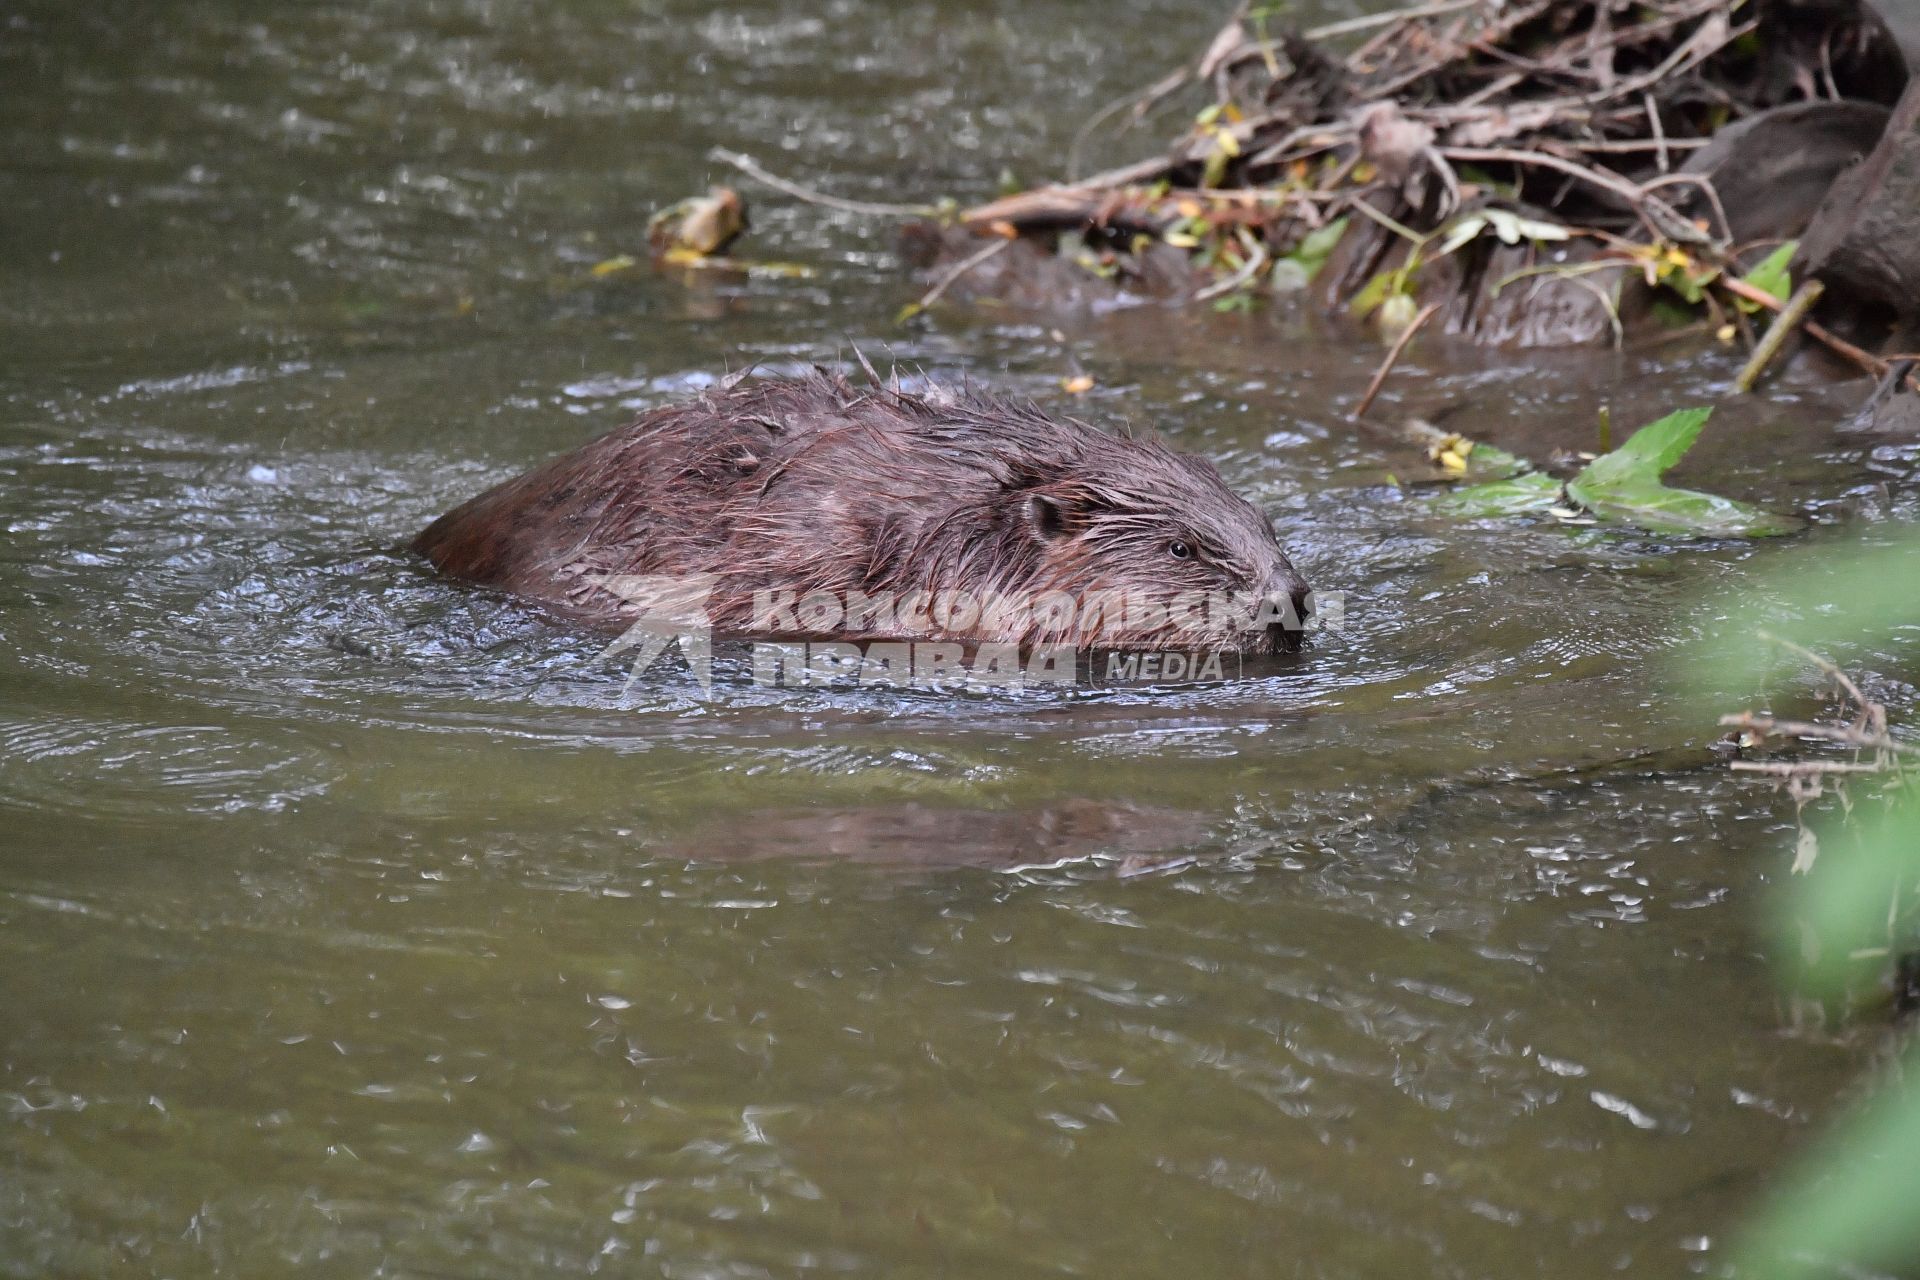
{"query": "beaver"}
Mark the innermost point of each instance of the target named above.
(807, 507)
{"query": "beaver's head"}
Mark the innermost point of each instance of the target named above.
(1152, 548)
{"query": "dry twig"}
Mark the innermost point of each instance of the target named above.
(1393, 357)
(959, 269)
(753, 169)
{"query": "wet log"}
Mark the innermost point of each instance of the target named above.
(1865, 240)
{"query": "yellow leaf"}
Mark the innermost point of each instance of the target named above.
(612, 265)
(1077, 384)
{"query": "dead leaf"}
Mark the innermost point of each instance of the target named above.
(1392, 141)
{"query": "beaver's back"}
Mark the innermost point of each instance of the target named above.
(807, 480)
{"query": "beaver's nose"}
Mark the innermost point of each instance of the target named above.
(1285, 583)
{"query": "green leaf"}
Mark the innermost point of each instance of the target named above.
(1485, 462)
(1655, 507)
(613, 265)
(1771, 274)
(1316, 247)
(1849, 1207)
(1625, 486)
(1649, 452)
(1214, 173)
(1520, 495)
(1689, 284)
(1372, 294)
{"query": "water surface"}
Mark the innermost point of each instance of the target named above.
(355, 923)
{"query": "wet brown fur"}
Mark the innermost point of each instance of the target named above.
(811, 484)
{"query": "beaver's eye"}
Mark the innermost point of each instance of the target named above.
(1179, 550)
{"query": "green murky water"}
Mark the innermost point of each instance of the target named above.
(352, 923)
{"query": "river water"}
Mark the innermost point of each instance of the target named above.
(355, 923)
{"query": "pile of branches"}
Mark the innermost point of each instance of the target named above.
(1436, 87)
(1598, 125)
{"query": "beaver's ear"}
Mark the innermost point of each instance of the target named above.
(1047, 517)
(1056, 513)
(1054, 507)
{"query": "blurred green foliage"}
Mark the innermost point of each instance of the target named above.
(1854, 1201)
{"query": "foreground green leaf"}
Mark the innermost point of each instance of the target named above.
(1850, 907)
(1833, 599)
